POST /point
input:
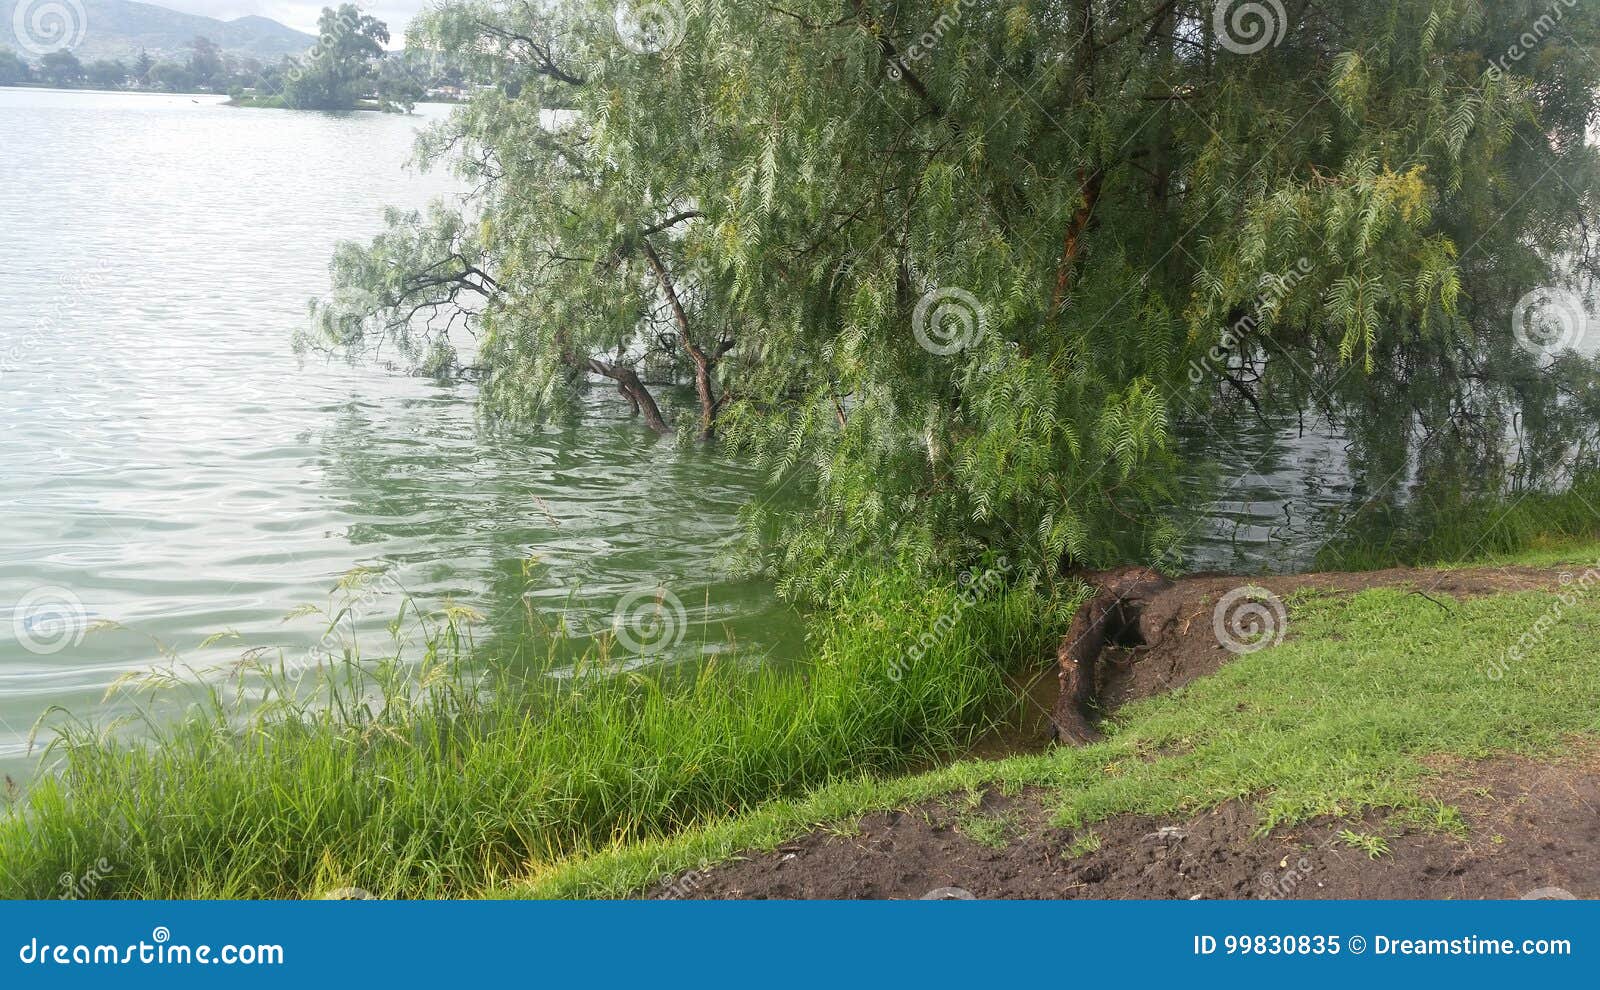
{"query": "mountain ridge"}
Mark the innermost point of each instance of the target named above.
(121, 28)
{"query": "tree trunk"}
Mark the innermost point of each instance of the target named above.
(702, 363)
(638, 396)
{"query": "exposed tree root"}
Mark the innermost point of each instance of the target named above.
(1124, 612)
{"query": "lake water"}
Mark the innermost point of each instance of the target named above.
(167, 464)
(171, 471)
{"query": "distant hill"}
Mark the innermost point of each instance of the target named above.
(119, 28)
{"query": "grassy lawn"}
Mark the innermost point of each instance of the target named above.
(1338, 719)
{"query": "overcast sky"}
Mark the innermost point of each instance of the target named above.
(302, 16)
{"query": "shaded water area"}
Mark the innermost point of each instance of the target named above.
(171, 473)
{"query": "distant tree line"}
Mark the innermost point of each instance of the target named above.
(348, 64)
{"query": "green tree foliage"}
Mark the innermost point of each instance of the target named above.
(205, 62)
(172, 77)
(106, 74)
(340, 68)
(61, 69)
(957, 269)
(13, 69)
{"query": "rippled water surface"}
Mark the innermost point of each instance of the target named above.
(169, 465)
(170, 471)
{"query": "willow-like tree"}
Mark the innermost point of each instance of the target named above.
(956, 269)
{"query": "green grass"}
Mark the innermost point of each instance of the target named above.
(258, 102)
(1375, 846)
(988, 829)
(1082, 844)
(421, 782)
(1339, 719)
(1452, 529)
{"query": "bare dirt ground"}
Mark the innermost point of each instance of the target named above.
(1532, 828)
